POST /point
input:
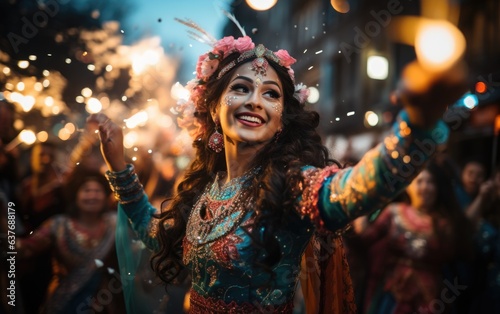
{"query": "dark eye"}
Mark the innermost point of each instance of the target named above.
(239, 88)
(273, 94)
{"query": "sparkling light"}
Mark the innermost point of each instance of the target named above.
(64, 134)
(93, 105)
(42, 136)
(49, 101)
(23, 64)
(140, 61)
(27, 103)
(371, 118)
(70, 127)
(179, 92)
(470, 101)
(18, 124)
(27, 137)
(20, 86)
(130, 139)
(86, 92)
(341, 6)
(313, 95)
(138, 119)
(38, 86)
(438, 44)
(377, 67)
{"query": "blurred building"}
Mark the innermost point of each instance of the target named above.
(335, 50)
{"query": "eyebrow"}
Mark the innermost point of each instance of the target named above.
(251, 81)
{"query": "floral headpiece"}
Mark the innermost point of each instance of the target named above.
(208, 64)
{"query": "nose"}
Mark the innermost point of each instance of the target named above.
(254, 101)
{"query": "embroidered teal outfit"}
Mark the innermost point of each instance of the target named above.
(78, 280)
(218, 250)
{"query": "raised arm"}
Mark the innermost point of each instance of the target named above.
(332, 198)
(124, 182)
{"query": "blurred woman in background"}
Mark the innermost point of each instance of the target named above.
(410, 244)
(83, 250)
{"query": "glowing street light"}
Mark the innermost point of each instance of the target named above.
(313, 95)
(341, 6)
(377, 67)
(261, 5)
(371, 118)
(438, 44)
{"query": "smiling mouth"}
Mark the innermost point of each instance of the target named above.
(250, 120)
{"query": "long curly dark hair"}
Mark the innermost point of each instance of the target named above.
(273, 190)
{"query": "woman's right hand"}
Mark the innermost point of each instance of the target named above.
(111, 136)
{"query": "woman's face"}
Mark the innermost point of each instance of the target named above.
(473, 175)
(251, 106)
(423, 191)
(91, 197)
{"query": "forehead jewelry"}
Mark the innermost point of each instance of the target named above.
(260, 64)
(258, 80)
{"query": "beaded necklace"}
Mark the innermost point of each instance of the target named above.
(227, 206)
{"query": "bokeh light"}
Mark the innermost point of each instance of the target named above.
(261, 5)
(438, 44)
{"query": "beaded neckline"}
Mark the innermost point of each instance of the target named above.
(227, 206)
(228, 190)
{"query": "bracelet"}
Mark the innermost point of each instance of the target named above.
(410, 146)
(125, 185)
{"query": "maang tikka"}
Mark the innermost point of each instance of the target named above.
(216, 140)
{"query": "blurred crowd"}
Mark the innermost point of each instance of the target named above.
(65, 219)
(435, 249)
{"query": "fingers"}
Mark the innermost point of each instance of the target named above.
(98, 118)
(104, 124)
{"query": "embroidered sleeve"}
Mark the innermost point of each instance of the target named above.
(40, 240)
(135, 204)
(140, 217)
(331, 198)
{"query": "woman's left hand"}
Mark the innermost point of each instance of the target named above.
(427, 94)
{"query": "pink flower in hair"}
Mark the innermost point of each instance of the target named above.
(226, 45)
(208, 67)
(301, 93)
(244, 44)
(291, 73)
(285, 59)
(199, 65)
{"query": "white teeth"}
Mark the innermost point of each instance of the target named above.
(250, 119)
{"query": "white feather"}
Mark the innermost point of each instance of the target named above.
(235, 21)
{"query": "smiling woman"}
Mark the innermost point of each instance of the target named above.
(82, 243)
(262, 201)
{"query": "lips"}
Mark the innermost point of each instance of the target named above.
(250, 119)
